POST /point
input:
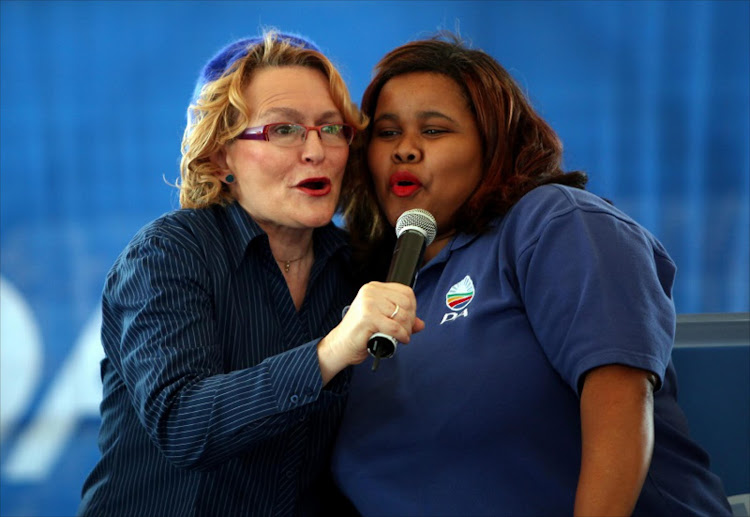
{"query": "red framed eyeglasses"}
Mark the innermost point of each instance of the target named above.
(286, 134)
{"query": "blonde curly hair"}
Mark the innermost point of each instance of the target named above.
(220, 112)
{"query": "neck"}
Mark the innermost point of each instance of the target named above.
(437, 245)
(296, 271)
(286, 263)
(288, 244)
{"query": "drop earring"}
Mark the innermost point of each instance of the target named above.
(229, 178)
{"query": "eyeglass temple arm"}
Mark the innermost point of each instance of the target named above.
(252, 136)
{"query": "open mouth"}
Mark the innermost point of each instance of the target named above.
(315, 186)
(404, 184)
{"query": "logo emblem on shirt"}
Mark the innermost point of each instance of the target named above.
(458, 298)
(460, 295)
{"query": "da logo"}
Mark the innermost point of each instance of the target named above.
(460, 295)
(458, 298)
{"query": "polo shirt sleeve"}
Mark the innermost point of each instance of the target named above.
(597, 291)
(158, 310)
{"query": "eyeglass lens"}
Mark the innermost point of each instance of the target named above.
(294, 134)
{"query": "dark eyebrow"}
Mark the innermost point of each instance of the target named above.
(390, 117)
(421, 115)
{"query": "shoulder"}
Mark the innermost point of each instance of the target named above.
(559, 206)
(571, 214)
(184, 226)
(180, 237)
(550, 201)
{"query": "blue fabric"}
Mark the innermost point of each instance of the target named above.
(224, 58)
(650, 98)
(213, 401)
(479, 413)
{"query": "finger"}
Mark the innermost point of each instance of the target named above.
(397, 330)
(392, 289)
(406, 323)
(404, 315)
(406, 301)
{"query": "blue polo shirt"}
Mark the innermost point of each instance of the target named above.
(479, 414)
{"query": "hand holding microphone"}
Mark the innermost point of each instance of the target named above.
(415, 230)
(383, 313)
(373, 310)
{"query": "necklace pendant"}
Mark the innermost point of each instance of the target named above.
(286, 266)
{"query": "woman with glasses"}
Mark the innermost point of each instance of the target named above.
(220, 397)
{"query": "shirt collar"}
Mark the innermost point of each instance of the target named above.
(459, 241)
(327, 240)
(242, 230)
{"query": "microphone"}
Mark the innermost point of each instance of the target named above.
(415, 230)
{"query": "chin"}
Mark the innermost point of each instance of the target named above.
(318, 219)
(394, 212)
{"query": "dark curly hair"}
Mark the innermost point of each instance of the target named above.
(521, 151)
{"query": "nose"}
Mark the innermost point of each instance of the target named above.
(406, 151)
(313, 150)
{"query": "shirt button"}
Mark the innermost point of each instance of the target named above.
(294, 399)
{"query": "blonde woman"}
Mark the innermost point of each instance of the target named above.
(220, 397)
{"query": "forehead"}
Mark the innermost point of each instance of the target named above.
(298, 88)
(421, 91)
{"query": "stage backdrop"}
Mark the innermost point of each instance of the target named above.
(650, 98)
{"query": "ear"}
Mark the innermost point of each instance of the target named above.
(219, 160)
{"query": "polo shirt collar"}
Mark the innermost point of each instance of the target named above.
(459, 241)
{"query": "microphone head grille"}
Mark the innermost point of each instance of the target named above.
(419, 220)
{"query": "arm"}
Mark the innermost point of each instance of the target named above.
(597, 290)
(617, 433)
(160, 333)
(160, 336)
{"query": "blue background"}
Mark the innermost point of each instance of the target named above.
(650, 98)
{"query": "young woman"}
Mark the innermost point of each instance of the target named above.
(542, 383)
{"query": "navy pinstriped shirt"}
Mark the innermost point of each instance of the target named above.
(213, 401)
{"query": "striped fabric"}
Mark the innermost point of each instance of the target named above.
(213, 403)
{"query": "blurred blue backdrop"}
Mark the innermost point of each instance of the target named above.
(650, 98)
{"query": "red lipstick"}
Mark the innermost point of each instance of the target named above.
(404, 183)
(314, 186)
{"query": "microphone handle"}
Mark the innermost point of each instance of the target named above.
(381, 345)
(407, 256)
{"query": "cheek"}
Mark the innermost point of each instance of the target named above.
(379, 169)
(377, 159)
(241, 158)
(338, 159)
